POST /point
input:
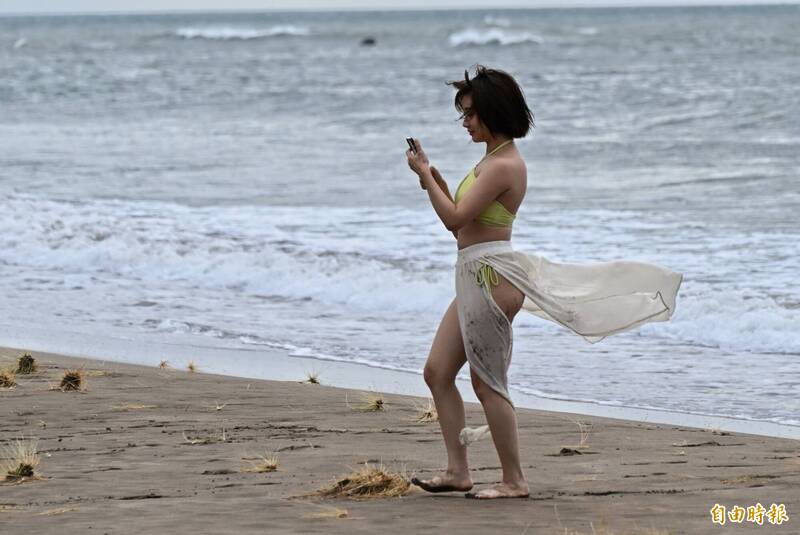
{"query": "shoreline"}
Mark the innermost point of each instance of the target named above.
(262, 363)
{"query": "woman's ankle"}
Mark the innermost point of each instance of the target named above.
(515, 483)
(458, 472)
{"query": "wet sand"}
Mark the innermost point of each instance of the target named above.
(143, 448)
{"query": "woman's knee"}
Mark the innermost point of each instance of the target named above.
(437, 378)
(482, 390)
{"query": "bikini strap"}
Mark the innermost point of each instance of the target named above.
(497, 148)
(501, 145)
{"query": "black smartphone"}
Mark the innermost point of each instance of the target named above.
(411, 144)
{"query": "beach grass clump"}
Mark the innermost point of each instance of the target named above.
(57, 511)
(584, 428)
(7, 378)
(208, 439)
(331, 512)
(370, 402)
(20, 459)
(73, 380)
(601, 527)
(192, 367)
(26, 364)
(265, 463)
(312, 377)
(368, 482)
(163, 364)
(131, 407)
(426, 413)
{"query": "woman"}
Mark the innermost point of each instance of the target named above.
(494, 281)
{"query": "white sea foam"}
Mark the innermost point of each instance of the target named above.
(246, 251)
(491, 20)
(734, 320)
(224, 33)
(492, 36)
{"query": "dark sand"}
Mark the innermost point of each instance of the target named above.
(161, 465)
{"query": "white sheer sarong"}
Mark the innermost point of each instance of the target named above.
(594, 300)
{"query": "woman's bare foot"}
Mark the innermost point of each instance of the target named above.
(448, 482)
(501, 490)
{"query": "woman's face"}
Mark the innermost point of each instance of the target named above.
(471, 122)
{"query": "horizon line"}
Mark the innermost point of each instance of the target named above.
(609, 5)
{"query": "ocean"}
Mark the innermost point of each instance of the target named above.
(239, 180)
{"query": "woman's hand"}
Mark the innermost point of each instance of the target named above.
(437, 177)
(418, 162)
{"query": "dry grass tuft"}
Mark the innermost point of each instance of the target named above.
(20, 460)
(603, 529)
(330, 512)
(163, 364)
(585, 428)
(7, 378)
(26, 364)
(57, 511)
(370, 402)
(73, 380)
(426, 413)
(132, 406)
(221, 437)
(265, 463)
(368, 482)
(312, 377)
(192, 367)
(218, 407)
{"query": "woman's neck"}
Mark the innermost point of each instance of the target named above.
(493, 145)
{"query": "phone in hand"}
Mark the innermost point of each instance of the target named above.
(411, 144)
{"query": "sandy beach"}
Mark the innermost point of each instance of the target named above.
(146, 449)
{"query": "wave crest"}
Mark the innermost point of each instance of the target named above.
(489, 36)
(226, 33)
(496, 21)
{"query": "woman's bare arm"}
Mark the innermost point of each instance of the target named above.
(443, 186)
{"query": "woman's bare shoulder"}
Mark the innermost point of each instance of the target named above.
(514, 167)
(517, 172)
(511, 166)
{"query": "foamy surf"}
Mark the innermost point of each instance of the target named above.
(492, 36)
(227, 33)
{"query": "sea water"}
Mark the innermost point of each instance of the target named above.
(239, 180)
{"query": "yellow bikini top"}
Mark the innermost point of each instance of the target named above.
(495, 214)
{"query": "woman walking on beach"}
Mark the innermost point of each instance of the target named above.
(493, 282)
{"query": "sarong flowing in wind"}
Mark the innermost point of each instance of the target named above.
(594, 300)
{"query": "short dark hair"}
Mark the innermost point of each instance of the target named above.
(497, 99)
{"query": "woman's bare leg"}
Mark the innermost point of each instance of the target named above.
(500, 415)
(502, 420)
(445, 360)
